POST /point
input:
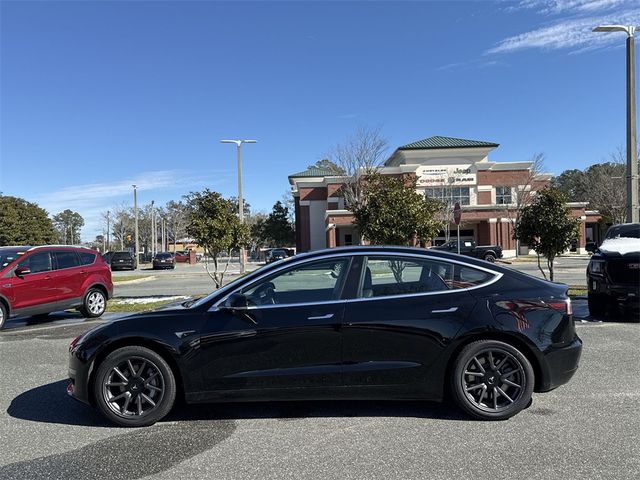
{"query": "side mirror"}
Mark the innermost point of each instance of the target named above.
(21, 271)
(236, 301)
(591, 247)
(238, 304)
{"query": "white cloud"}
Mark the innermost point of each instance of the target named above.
(572, 33)
(92, 199)
(564, 6)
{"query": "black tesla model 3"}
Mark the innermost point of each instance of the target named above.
(345, 323)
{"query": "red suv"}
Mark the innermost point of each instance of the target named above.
(40, 280)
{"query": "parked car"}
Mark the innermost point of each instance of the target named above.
(106, 256)
(613, 273)
(275, 254)
(41, 280)
(348, 323)
(123, 261)
(489, 253)
(163, 260)
(182, 256)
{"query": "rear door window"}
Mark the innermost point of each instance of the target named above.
(66, 260)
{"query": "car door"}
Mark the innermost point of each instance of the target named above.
(68, 276)
(35, 289)
(288, 337)
(407, 311)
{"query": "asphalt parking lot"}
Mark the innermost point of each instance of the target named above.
(586, 429)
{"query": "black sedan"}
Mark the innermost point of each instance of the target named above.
(346, 323)
(164, 260)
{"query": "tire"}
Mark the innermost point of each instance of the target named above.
(133, 398)
(94, 303)
(4, 315)
(598, 304)
(490, 257)
(479, 380)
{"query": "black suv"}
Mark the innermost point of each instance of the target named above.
(613, 274)
(122, 261)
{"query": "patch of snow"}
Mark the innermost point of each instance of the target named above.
(621, 245)
(131, 301)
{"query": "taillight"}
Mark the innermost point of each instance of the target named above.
(563, 306)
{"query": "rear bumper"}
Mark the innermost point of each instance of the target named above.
(559, 365)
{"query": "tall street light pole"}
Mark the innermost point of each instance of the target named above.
(633, 209)
(135, 214)
(240, 199)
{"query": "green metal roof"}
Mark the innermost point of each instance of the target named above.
(446, 142)
(314, 172)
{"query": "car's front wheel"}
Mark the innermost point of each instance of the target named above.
(492, 380)
(490, 257)
(134, 387)
(94, 303)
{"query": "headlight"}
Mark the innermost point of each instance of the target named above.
(596, 266)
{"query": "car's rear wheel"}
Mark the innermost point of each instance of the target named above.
(4, 314)
(94, 303)
(490, 257)
(134, 387)
(598, 304)
(492, 380)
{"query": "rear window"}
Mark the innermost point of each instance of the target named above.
(163, 255)
(121, 256)
(87, 258)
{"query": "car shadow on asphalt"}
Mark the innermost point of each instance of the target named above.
(296, 410)
(50, 404)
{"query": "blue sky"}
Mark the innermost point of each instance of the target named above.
(96, 96)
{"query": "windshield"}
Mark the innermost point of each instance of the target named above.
(626, 231)
(8, 255)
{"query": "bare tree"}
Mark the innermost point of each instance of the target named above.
(122, 223)
(358, 157)
(606, 187)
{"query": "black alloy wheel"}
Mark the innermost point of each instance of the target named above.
(492, 380)
(490, 257)
(134, 387)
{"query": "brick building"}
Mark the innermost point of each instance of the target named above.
(449, 169)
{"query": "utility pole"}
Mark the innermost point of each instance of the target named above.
(135, 213)
(238, 144)
(633, 209)
(108, 226)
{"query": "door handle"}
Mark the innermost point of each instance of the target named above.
(321, 317)
(447, 310)
(48, 277)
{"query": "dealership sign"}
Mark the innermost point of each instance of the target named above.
(442, 176)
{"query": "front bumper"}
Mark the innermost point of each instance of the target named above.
(622, 293)
(559, 365)
(79, 372)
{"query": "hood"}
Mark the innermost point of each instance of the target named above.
(620, 245)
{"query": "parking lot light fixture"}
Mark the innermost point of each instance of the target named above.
(238, 144)
(633, 209)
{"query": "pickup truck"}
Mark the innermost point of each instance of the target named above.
(488, 253)
(613, 273)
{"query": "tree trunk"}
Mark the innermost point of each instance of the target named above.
(550, 265)
(540, 267)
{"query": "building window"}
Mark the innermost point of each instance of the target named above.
(446, 194)
(503, 195)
